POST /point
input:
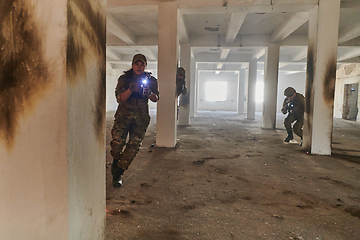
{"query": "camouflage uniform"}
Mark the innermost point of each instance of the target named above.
(132, 117)
(296, 113)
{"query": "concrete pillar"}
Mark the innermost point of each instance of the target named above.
(321, 74)
(184, 103)
(192, 86)
(270, 85)
(167, 65)
(241, 101)
(251, 89)
(52, 120)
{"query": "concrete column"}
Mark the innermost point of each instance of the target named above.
(321, 74)
(241, 102)
(52, 120)
(192, 86)
(251, 89)
(184, 103)
(167, 65)
(270, 85)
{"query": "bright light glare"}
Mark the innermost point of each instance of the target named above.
(259, 96)
(215, 91)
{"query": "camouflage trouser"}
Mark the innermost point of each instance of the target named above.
(134, 123)
(297, 126)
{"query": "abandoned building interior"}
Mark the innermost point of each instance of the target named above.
(60, 61)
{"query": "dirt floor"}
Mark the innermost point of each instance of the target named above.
(229, 179)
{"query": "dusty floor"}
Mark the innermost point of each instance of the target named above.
(229, 179)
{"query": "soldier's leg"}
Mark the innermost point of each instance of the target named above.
(287, 123)
(298, 128)
(136, 135)
(119, 133)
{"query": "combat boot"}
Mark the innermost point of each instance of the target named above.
(289, 137)
(117, 172)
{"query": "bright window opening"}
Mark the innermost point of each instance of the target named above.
(259, 96)
(216, 91)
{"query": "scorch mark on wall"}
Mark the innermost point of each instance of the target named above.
(23, 74)
(310, 75)
(329, 80)
(86, 43)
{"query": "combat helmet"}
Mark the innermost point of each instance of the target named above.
(181, 71)
(289, 91)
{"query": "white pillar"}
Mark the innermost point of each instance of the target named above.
(184, 103)
(241, 101)
(192, 86)
(251, 89)
(52, 149)
(167, 64)
(270, 85)
(321, 73)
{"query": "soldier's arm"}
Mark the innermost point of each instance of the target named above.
(283, 109)
(122, 90)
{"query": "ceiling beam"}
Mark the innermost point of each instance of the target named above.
(119, 30)
(289, 26)
(224, 53)
(183, 34)
(148, 53)
(258, 53)
(112, 54)
(350, 54)
(235, 23)
(299, 55)
(350, 32)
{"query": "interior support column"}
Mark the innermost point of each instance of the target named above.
(321, 74)
(53, 93)
(251, 89)
(270, 85)
(192, 81)
(241, 102)
(167, 66)
(184, 103)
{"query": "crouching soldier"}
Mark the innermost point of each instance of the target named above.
(294, 104)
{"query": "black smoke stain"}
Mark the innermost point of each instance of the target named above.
(23, 72)
(87, 41)
(310, 74)
(310, 79)
(329, 80)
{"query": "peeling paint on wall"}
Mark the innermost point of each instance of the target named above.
(23, 74)
(86, 43)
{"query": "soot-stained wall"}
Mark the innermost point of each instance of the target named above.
(86, 41)
(23, 73)
(86, 90)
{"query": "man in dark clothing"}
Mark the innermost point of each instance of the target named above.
(180, 82)
(294, 104)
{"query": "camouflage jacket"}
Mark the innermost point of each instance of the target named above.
(136, 100)
(296, 106)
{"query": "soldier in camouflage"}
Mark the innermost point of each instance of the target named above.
(134, 88)
(294, 104)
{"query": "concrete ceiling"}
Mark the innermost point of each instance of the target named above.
(226, 34)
